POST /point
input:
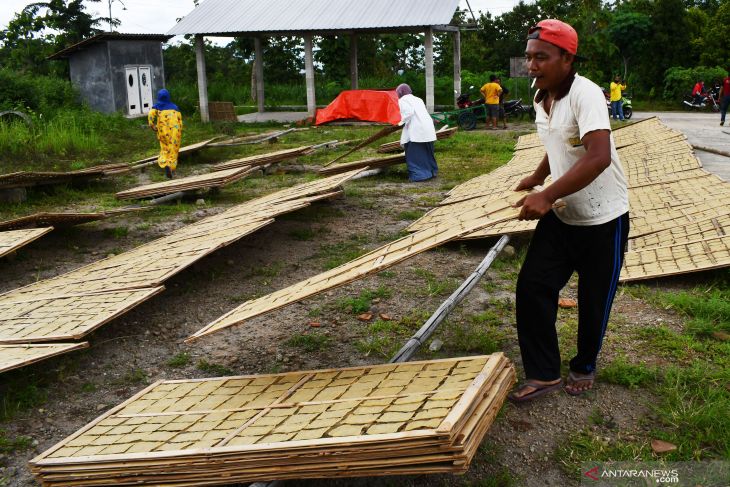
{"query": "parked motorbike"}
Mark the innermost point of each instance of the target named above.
(515, 109)
(464, 99)
(628, 108)
(709, 100)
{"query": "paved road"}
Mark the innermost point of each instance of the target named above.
(701, 129)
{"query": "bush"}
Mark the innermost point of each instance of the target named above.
(680, 81)
(39, 93)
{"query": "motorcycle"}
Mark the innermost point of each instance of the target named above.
(628, 108)
(515, 108)
(709, 100)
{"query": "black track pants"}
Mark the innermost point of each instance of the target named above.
(557, 249)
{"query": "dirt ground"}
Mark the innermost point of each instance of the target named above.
(136, 349)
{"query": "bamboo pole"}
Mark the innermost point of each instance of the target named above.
(409, 349)
(379, 135)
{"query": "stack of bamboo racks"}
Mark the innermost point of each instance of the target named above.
(373, 163)
(410, 418)
(264, 159)
(201, 181)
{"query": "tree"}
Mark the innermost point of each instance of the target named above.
(626, 31)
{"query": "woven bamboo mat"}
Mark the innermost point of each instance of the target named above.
(183, 150)
(705, 254)
(23, 179)
(71, 305)
(424, 417)
(15, 356)
(67, 317)
(675, 204)
(12, 240)
(462, 224)
(214, 179)
(60, 220)
(372, 163)
(264, 159)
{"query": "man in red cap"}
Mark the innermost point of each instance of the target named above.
(588, 235)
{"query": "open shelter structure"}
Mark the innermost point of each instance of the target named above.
(309, 18)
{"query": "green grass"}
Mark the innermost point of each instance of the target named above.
(134, 376)
(706, 306)
(11, 445)
(363, 301)
(179, 360)
(410, 214)
(216, 370)
(695, 411)
(434, 285)
(20, 394)
(310, 342)
(269, 270)
(339, 253)
(303, 234)
(383, 338)
(117, 232)
(624, 373)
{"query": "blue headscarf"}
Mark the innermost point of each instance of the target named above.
(163, 101)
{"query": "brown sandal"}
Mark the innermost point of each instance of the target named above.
(540, 390)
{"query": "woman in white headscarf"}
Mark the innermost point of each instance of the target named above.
(418, 135)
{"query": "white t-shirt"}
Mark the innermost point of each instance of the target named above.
(417, 123)
(581, 111)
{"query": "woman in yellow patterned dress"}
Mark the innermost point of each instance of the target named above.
(165, 119)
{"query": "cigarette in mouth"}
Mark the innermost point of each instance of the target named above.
(534, 80)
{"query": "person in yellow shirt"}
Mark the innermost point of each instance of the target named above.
(491, 91)
(617, 105)
(165, 119)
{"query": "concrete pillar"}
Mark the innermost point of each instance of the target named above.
(259, 66)
(309, 75)
(429, 71)
(353, 61)
(457, 65)
(202, 78)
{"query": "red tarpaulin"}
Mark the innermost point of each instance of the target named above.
(368, 105)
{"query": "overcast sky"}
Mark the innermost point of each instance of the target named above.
(158, 16)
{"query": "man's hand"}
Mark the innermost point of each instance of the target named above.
(534, 206)
(529, 182)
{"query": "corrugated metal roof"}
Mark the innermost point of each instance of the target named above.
(107, 36)
(249, 16)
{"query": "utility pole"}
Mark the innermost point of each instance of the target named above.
(111, 20)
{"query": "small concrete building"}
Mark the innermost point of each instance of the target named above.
(117, 72)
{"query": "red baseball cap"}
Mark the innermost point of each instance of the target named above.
(557, 33)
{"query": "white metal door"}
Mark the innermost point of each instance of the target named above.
(132, 82)
(145, 87)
